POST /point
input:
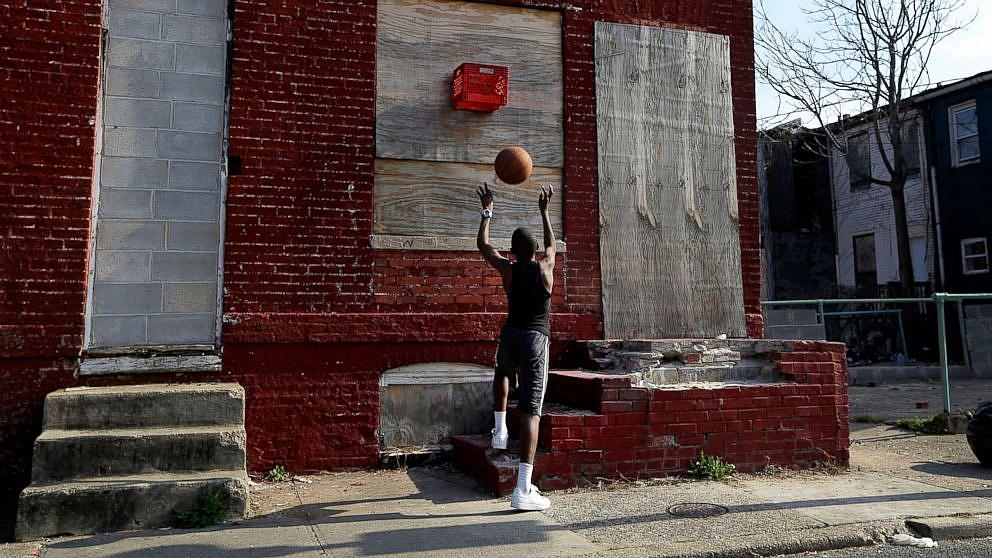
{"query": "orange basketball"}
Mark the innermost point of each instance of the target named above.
(513, 165)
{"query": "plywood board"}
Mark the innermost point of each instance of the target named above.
(443, 243)
(428, 199)
(419, 45)
(669, 244)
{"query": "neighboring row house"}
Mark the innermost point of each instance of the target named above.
(949, 129)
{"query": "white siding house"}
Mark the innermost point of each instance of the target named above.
(863, 216)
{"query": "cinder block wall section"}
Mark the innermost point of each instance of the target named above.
(155, 265)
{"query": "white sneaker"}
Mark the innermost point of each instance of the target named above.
(500, 440)
(532, 501)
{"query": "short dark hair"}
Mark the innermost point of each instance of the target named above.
(523, 245)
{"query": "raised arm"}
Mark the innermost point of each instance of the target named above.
(548, 263)
(489, 252)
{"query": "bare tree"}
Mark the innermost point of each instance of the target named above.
(869, 57)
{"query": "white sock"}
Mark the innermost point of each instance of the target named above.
(523, 477)
(500, 422)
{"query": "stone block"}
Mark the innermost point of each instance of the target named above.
(118, 234)
(114, 331)
(163, 6)
(94, 505)
(126, 82)
(134, 298)
(135, 24)
(196, 59)
(181, 266)
(77, 454)
(121, 266)
(145, 406)
(116, 203)
(181, 328)
(192, 236)
(194, 176)
(191, 87)
(140, 113)
(129, 142)
(190, 297)
(188, 145)
(141, 54)
(194, 29)
(216, 8)
(190, 206)
(128, 172)
(194, 117)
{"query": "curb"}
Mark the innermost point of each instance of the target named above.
(768, 544)
(953, 526)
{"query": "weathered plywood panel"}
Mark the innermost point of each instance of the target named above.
(429, 199)
(669, 244)
(426, 404)
(419, 45)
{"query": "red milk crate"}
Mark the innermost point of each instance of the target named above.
(482, 87)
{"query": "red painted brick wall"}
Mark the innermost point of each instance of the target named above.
(303, 120)
(49, 62)
(312, 314)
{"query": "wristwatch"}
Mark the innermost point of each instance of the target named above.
(487, 213)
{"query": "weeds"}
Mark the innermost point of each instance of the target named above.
(867, 419)
(711, 467)
(210, 508)
(923, 426)
(278, 474)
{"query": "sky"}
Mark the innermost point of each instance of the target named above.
(965, 53)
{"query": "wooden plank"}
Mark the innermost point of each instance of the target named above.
(669, 241)
(441, 243)
(110, 366)
(429, 199)
(419, 45)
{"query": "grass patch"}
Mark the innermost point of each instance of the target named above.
(930, 426)
(210, 508)
(867, 419)
(278, 474)
(711, 467)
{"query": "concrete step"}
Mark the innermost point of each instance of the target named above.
(100, 505)
(65, 454)
(790, 316)
(145, 406)
(811, 332)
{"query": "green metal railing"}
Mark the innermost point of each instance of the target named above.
(939, 300)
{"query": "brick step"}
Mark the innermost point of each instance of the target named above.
(496, 470)
(65, 454)
(144, 406)
(556, 420)
(582, 389)
(101, 505)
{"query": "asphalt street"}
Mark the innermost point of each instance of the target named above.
(977, 548)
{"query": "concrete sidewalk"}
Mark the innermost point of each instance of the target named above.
(438, 512)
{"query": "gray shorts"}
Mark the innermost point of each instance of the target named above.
(525, 351)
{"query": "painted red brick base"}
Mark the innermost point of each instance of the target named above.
(612, 430)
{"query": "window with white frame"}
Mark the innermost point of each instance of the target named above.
(974, 256)
(964, 134)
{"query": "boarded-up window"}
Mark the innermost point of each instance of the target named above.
(911, 147)
(430, 157)
(669, 231)
(859, 160)
(865, 271)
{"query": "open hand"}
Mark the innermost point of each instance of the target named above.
(546, 193)
(485, 194)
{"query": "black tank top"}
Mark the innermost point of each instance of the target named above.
(530, 301)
